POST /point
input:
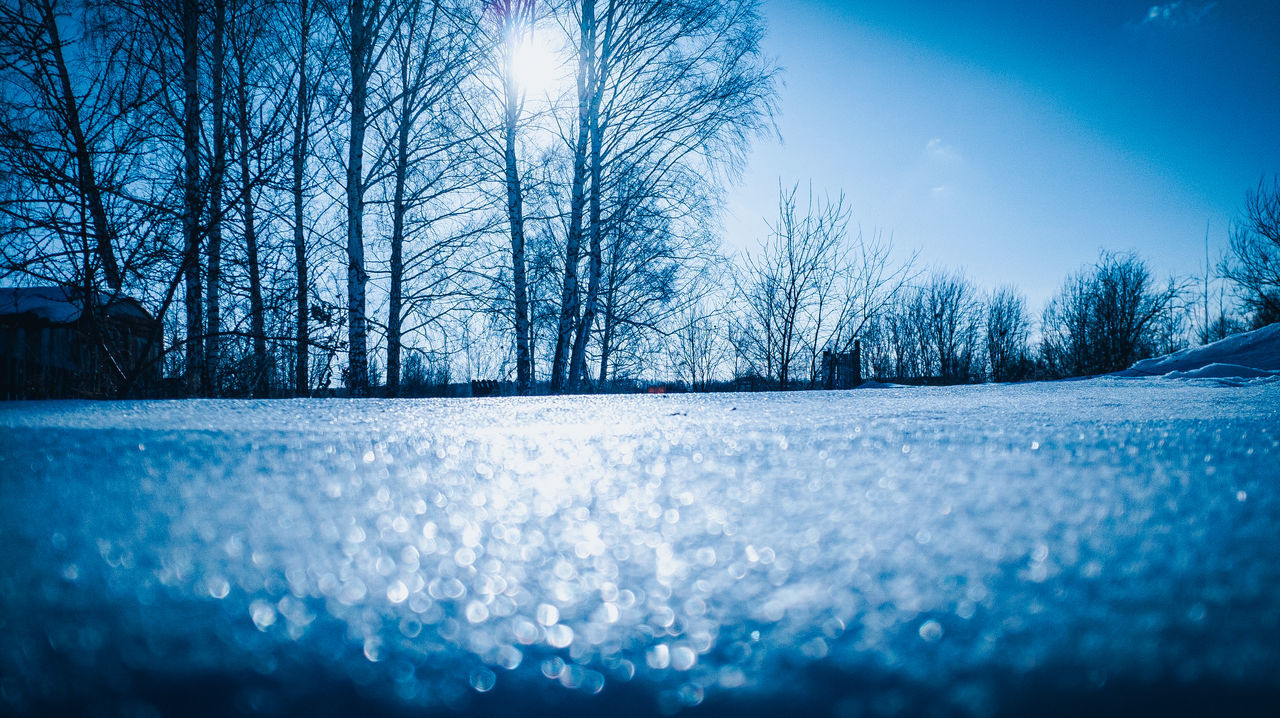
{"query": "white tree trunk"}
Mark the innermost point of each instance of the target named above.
(213, 279)
(357, 332)
(301, 133)
(191, 194)
(577, 197)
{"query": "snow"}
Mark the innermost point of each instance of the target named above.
(873, 384)
(1248, 355)
(1223, 371)
(51, 304)
(1096, 547)
(62, 305)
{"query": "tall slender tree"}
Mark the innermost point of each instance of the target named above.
(432, 54)
(510, 25)
(56, 152)
(217, 172)
(257, 121)
(587, 93)
(301, 136)
(360, 26)
(84, 161)
(782, 284)
(676, 85)
(191, 192)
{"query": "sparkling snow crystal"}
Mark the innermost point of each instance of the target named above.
(1024, 549)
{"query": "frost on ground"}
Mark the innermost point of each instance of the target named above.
(1105, 547)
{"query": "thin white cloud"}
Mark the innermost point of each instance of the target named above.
(941, 152)
(1178, 14)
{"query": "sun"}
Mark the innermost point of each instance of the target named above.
(541, 66)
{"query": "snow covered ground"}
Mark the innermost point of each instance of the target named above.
(1108, 547)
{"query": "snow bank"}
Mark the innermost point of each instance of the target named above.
(1223, 371)
(1251, 355)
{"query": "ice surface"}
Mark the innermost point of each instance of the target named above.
(1098, 547)
(1248, 355)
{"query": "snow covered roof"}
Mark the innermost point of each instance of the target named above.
(62, 305)
(1248, 355)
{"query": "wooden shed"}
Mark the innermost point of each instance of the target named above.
(842, 370)
(54, 344)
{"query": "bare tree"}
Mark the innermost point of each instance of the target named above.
(508, 25)
(905, 338)
(361, 28)
(588, 86)
(867, 281)
(308, 60)
(928, 332)
(302, 111)
(364, 27)
(427, 164)
(813, 287)
(1106, 317)
(782, 286)
(1253, 263)
(260, 109)
(1129, 311)
(951, 324)
(754, 331)
(668, 87)
(1006, 331)
(34, 58)
(657, 262)
(191, 192)
(697, 346)
(214, 225)
(1066, 328)
(413, 55)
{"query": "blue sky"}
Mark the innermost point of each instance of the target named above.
(1015, 138)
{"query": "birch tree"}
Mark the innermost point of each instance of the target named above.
(214, 224)
(260, 106)
(588, 102)
(675, 85)
(191, 193)
(428, 163)
(363, 27)
(509, 24)
(71, 93)
(305, 19)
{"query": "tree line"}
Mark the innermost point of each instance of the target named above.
(818, 284)
(348, 193)
(377, 196)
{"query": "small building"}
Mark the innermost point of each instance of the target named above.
(53, 346)
(842, 370)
